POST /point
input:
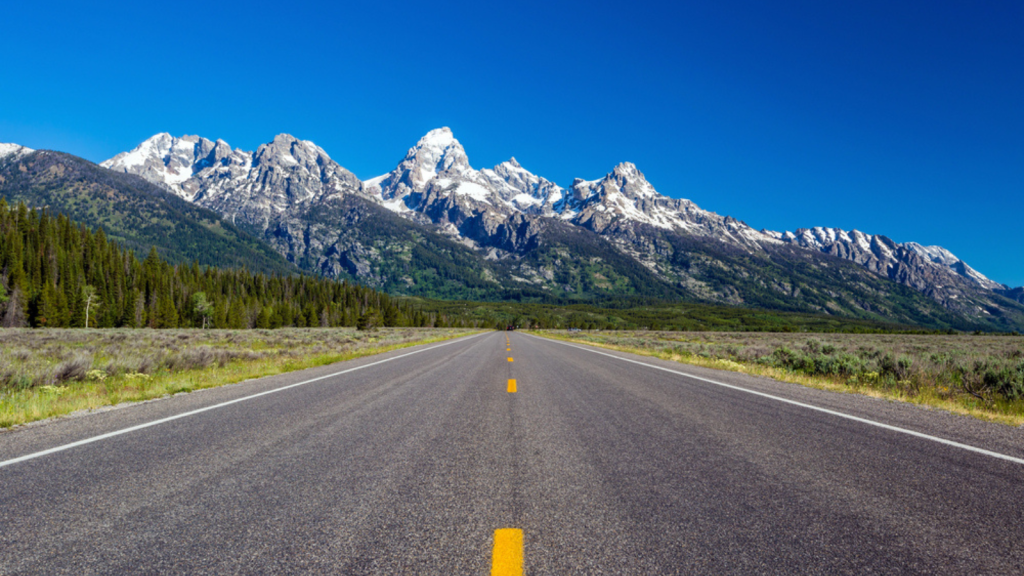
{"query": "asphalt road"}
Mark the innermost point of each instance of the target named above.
(409, 465)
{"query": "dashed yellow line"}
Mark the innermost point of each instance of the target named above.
(511, 385)
(507, 557)
(509, 358)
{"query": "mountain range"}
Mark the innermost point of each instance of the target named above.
(435, 226)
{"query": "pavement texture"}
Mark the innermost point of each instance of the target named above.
(410, 465)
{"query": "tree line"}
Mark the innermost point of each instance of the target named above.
(57, 273)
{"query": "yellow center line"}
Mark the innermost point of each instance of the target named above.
(508, 349)
(507, 557)
(510, 359)
(511, 385)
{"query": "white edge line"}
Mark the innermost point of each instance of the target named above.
(803, 405)
(92, 439)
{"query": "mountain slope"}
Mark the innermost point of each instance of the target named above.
(133, 211)
(931, 270)
(613, 236)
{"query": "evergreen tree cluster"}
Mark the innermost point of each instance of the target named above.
(56, 273)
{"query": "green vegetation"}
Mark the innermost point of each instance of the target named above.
(980, 375)
(55, 274)
(399, 256)
(633, 314)
(46, 373)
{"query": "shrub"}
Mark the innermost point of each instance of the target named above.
(813, 346)
(74, 369)
(150, 362)
(1006, 380)
(191, 358)
(897, 367)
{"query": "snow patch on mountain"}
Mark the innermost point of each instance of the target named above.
(527, 192)
(941, 256)
(243, 186)
(165, 160)
(15, 150)
(624, 197)
(882, 255)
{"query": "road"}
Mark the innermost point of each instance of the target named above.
(420, 460)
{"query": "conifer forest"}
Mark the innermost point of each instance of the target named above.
(57, 273)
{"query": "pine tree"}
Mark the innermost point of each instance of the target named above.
(263, 319)
(167, 314)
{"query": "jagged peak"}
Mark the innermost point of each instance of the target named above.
(513, 162)
(168, 139)
(632, 180)
(437, 152)
(627, 169)
(436, 146)
(285, 143)
(438, 138)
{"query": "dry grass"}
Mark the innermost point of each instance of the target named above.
(981, 376)
(47, 373)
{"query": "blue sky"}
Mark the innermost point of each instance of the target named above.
(899, 118)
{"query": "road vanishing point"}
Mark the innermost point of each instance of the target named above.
(452, 459)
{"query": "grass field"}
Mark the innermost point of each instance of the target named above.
(47, 373)
(979, 375)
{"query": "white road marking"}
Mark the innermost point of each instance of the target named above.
(808, 406)
(214, 407)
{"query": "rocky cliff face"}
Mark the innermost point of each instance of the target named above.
(528, 224)
(247, 188)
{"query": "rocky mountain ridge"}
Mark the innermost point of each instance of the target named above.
(932, 270)
(528, 227)
(882, 255)
(248, 188)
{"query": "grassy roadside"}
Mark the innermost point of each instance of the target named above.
(48, 373)
(924, 370)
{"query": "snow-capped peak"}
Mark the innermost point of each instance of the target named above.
(627, 169)
(936, 254)
(164, 159)
(941, 256)
(523, 189)
(438, 138)
(437, 153)
(632, 181)
(16, 150)
(436, 156)
(287, 150)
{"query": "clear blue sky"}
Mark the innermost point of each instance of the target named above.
(899, 118)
